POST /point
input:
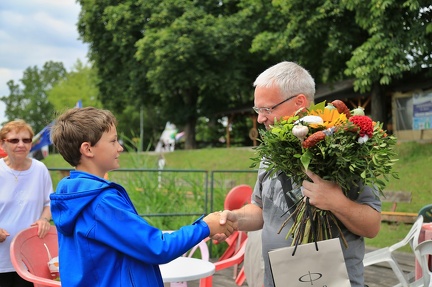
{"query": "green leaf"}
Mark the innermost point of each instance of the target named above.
(306, 159)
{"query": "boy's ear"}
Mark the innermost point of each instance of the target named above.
(85, 149)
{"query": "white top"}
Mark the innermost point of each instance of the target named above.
(22, 201)
(186, 269)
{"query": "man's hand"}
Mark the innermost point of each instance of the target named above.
(219, 226)
(322, 193)
(3, 235)
(225, 216)
(360, 219)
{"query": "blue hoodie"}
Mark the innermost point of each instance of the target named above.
(104, 242)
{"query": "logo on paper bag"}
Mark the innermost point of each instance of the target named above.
(310, 278)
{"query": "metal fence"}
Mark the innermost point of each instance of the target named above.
(205, 189)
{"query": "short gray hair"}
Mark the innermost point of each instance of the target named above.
(291, 78)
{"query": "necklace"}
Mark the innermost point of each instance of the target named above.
(10, 170)
(15, 175)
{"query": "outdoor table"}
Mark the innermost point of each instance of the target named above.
(186, 269)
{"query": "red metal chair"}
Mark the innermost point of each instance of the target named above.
(2, 153)
(238, 196)
(30, 257)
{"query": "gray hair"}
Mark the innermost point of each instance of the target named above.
(291, 79)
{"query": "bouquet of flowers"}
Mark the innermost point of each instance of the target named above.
(338, 145)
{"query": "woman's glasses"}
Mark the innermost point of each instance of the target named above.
(15, 141)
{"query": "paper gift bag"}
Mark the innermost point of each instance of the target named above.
(307, 267)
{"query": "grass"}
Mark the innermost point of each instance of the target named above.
(414, 172)
(183, 192)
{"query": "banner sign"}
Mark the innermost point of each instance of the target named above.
(422, 110)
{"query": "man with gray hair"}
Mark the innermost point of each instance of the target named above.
(280, 91)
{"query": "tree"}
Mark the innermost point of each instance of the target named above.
(30, 102)
(78, 84)
(399, 41)
(112, 29)
(181, 58)
(375, 42)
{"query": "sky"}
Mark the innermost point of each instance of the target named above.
(33, 32)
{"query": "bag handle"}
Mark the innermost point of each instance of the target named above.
(287, 189)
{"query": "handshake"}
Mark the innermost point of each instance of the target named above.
(220, 228)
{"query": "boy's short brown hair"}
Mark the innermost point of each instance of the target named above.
(79, 125)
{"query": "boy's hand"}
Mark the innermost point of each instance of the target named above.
(213, 221)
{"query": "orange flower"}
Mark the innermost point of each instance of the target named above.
(331, 118)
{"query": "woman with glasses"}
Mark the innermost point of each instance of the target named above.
(25, 186)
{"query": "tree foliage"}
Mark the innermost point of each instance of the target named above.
(78, 84)
(372, 41)
(399, 40)
(112, 29)
(30, 101)
(184, 59)
(180, 60)
(375, 42)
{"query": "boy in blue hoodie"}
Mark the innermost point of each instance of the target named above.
(102, 239)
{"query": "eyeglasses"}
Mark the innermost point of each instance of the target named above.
(268, 111)
(15, 141)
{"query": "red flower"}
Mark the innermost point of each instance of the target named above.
(364, 123)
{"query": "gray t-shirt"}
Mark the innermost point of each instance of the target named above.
(268, 194)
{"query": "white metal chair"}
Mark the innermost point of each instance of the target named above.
(386, 254)
(424, 251)
(203, 248)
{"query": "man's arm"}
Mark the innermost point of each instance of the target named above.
(360, 219)
(247, 218)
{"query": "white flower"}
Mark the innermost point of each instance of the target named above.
(300, 131)
(363, 139)
(310, 120)
(358, 112)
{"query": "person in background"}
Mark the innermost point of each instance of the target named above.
(2, 153)
(25, 186)
(280, 91)
(253, 261)
(103, 241)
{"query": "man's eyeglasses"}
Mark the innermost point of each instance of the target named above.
(268, 111)
(15, 141)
